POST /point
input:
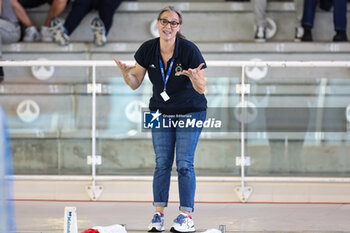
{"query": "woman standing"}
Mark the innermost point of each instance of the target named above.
(176, 69)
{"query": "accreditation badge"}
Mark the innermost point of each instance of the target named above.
(165, 96)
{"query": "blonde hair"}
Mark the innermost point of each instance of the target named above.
(178, 12)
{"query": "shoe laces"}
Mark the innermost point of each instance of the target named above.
(157, 218)
(61, 36)
(100, 36)
(54, 22)
(97, 23)
(180, 219)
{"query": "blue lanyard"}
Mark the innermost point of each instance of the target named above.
(165, 79)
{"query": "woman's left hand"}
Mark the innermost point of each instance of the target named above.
(196, 76)
(191, 73)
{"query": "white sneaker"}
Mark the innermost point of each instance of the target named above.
(58, 32)
(183, 223)
(299, 32)
(157, 224)
(99, 30)
(31, 34)
(46, 35)
(260, 34)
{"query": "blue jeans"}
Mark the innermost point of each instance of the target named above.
(339, 13)
(185, 141)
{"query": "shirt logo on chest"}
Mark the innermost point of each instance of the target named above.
(152, 66)
(178, 68)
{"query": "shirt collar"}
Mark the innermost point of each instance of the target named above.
(176, 50)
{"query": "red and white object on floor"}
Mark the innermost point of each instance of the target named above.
(107, 229)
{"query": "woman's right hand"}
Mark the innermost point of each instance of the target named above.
(124, 67)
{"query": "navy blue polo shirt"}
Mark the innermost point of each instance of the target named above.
(183, 97)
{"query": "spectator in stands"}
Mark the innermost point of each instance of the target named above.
(261, 24)
(99, 25)
(30, 31)
(339, 18)
(10, 30)
(176, 69)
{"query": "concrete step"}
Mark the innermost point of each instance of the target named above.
(221, 21)
(211, 51)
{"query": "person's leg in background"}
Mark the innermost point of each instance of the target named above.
(79, 10)
(339, 19)
(308, 19)
(259, 7)
(30, 31)
(299, 30)
(57, 7)
(20, 12)
(60, 31)
(107, 10)
(9, 33)
(100, 25)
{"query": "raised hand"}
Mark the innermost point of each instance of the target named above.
(125, 69)
(196, 77)
(191, 73)
(134, 78)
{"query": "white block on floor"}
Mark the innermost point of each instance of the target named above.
(70, 220)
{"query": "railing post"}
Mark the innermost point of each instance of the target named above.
(243, 191)
(93, 123)
(94, 190)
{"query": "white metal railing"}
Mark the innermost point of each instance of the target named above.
(242, 191)
(212, 63)
(198, 178)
